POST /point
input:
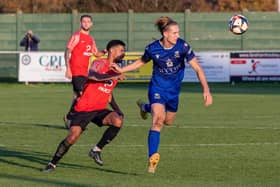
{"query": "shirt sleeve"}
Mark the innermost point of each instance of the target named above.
(73, 41)
(96, 66)
(146, 56)
(188, 51)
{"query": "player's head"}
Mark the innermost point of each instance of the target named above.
(86, 22)
(116, 50)
(168, 28)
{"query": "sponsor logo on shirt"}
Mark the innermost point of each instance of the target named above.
(108, 83)
(156, 96)
(87, 54)
(170, 70)
(169, 63)
(177, 54)
(103, 89)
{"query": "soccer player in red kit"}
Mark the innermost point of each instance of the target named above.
(92, 106)
(80, 47)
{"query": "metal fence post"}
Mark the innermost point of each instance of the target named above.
(74, 18)
(18, 28)
(242, 38)
(187, 35)
(130, 38)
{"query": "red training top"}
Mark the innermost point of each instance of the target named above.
(82, 46)
(97, 95)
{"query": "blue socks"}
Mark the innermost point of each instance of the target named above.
(154, 136)
(153, 141)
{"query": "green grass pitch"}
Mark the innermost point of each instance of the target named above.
(235, 142)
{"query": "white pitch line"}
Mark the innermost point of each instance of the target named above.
(223, 144)
(225, 127)
(172, 126)
(208, 127)
(165, 145)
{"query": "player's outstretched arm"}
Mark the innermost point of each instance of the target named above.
(208, 100)
(100, 53)
(93, 75)
(135, 65)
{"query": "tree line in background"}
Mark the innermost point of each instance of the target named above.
(91, 6)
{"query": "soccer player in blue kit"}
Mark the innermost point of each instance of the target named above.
(169, 55)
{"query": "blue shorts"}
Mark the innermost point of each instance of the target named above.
(169, 98)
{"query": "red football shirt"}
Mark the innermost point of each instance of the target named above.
(82, 47)
(96, 95)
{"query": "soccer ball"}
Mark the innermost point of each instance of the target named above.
(238, 24)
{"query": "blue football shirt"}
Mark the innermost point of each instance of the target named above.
(168, 64)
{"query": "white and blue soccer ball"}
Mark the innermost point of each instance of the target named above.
(238, 24)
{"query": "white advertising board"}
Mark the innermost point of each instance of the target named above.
(42, 67)
(215, 66)
(255, 66)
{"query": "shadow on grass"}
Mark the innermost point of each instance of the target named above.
(45, 125)
(20, 159)
(44, 181)
(9, 157)
(114, 171)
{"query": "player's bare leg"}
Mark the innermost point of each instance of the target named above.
(66, 119)
(114, 121)
(63, 147)
(158, 117)
(169, 118)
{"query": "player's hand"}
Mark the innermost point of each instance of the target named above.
(115, 67)
(68, 74)
(104, 51)
(208, 100)
(121, 77)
